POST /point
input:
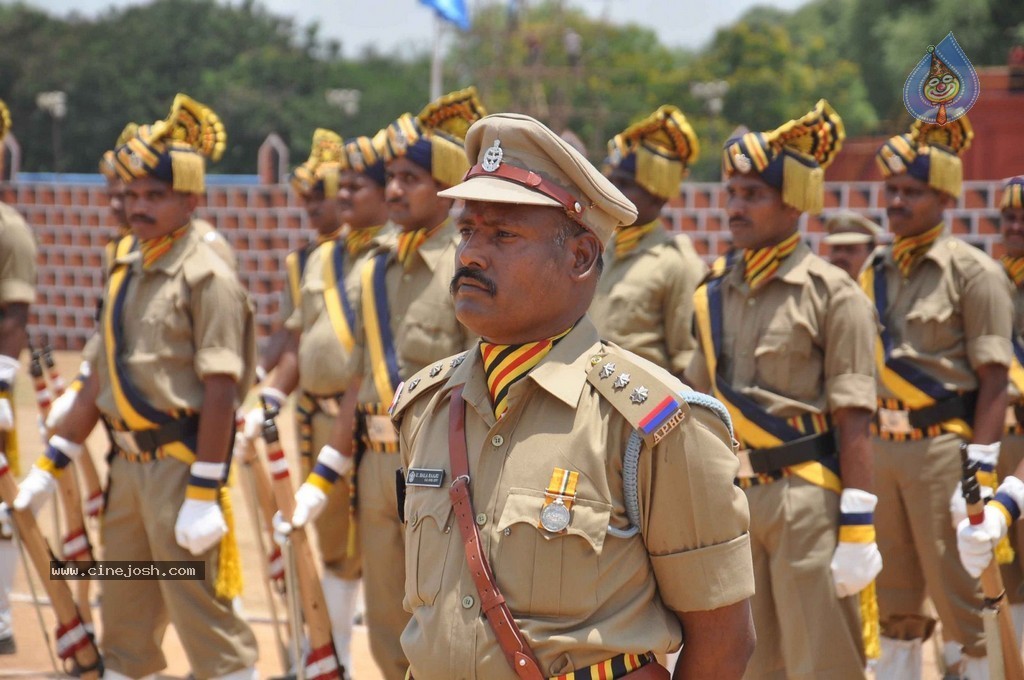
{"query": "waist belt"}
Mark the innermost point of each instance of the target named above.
(895, 422)
(774, 459)
(145, 445)
(376, 431)
(621, 666)
(330, 405)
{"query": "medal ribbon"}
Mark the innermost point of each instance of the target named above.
(562, 487)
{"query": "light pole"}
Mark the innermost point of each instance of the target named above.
(54, 103)
(712, 93)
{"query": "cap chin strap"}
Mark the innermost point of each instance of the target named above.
(533, 181)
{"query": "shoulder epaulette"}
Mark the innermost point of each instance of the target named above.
(650, 405)
(423, 382)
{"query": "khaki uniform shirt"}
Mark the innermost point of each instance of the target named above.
(953, 314)
(644, 302)
(423, 321)
(187, 317)
(17, 258)
(803, 343)
(1018, 329)
(595, 590)
(323, 360)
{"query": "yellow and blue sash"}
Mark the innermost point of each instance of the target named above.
(377, 322)
(912, 386)
(339, 307)
(295, 264)
(755, 427)
(134, 409)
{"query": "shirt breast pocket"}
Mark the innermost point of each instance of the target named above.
(547, 574)
(632, 308)
(934, 327)
(164, 326)
(782, 356)
(429, 515)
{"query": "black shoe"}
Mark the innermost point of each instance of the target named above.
(7, 645)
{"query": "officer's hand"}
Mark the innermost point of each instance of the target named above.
(252, 426)
(35, 490)
(856, 561)
(8, 369)
(60, 408)
(282, 528)
(200, 525)
(309, 503)
(958, 506)
(976, 543)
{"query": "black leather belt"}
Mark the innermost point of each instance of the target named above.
(143, 441)
(961, 406)
(803, 450)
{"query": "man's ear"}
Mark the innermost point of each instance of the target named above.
(192, 201)
(586, 251)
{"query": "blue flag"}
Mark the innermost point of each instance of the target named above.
(454, 11)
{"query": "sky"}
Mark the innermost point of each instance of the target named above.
(401, 24)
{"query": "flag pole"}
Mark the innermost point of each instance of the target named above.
(436, 60)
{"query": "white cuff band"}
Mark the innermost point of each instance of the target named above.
(66, 446)
(1014, 488)
(857, 501)
(207, 470)
(332, 458)
(984, 453)
(275, 394)
(8, 368)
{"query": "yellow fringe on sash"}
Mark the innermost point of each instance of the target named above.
(229, 567)
(870, 630)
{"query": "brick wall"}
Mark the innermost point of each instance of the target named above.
(264, 222)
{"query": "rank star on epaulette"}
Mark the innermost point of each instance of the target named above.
(435, 370)
(413, 383)
(606, 371)
(621, 381)
(458, 360)
(639, 395)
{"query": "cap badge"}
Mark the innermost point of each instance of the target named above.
(896, 164)
(492, 157)
(742, 162)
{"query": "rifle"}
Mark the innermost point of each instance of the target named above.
(75, 645)
(322, 662)
(76, 546)
(1003, 655)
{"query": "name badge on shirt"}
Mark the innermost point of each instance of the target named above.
(425, 477)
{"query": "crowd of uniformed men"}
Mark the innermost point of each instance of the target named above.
(604, 449)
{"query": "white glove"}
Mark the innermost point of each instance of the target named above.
(8, 369)
(958, 506)
(35, 490)
(311, 498)
(60, 408)
(200, 524)
(309, 503)
(281, 528)
(976, 543)
(252, 427)
(855, 564)
(243, 449)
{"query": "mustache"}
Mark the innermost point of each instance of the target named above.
(474, 274)
(141, 218)
(897, 211)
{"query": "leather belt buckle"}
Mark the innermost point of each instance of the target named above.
(746, 470)
(381, 430)
(329, 405)
(126, 442)
(894, 421)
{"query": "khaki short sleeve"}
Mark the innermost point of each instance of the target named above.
(987, 308)
(850, 330)
(223, 327)
(17, 259)
(695, 520)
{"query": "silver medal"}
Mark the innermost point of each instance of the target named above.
(555, 516)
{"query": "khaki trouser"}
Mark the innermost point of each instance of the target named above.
(1011, 453)
(332, 525)
(384, 561)
(804, 630)
(914, 481)
(138, 525)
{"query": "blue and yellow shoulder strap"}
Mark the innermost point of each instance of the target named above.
(377, 325)
(755, 427)
(339, 307)
(912, 386)
(133, 408)
(295, 264)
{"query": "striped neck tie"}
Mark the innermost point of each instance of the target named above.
(153, 249)
(358, 240)
(324, 238)
(410, 241)
(907, 251)
(505, 364)
(761, 264)
(627, 238)
(1014, 267)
